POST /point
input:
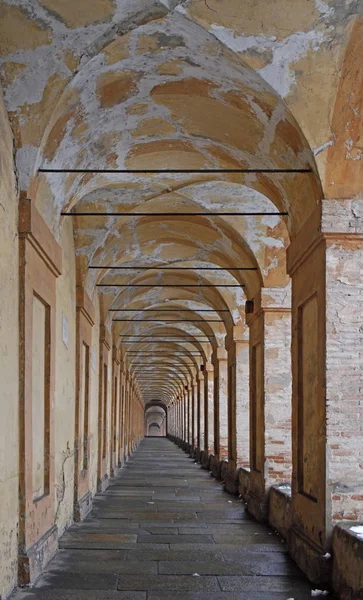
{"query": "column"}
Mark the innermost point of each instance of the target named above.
(85, 318)
(200, 411)
(40, 263)
(237, 346)
(190, 398)
(208, 411)
(326, 266)
(115, 408)
(219, 359)
(103, 410)
(195, 413)
(121, 450)
(270, 396)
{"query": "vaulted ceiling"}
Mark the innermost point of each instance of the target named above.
(240, 106)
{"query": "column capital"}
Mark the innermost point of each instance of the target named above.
(238, 333)
(208, 367)
(219, 354)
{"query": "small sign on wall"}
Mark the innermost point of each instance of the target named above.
(65, 330)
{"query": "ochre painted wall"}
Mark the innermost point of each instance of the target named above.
(65, 381)
(9, 375)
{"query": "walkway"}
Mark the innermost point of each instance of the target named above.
(165, 529)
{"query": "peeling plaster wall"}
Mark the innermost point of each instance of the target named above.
(94, 374)
(9, 376)
(65, 382)
(297, 46)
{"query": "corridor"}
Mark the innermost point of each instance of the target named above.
(166, 529)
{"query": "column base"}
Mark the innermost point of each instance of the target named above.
(198, 455)
(258, 507)
(102, 484)
(114, 471)
(215, 466)
(244, 483)
(309, 557)
(83, 507)
(35, 558)
(230, 478)
(206, 460)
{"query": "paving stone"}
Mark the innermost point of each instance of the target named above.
(250, 568)
(229, 596)
(83, 580)
(97, 540)
(180, 539)
(174, 555)
(262, 584)
(168, 582)
(51, 594)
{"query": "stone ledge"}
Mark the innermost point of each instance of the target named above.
(244, 483)
(279, 511)
(229, 475)
(215, 466)
(347, 562)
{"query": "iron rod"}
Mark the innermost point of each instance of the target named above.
(185, 214)
(166, 285)
(165, 337)
(174, 171)
(167, 320)
(168, 310)
(175, 268)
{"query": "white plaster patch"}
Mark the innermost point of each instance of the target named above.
(279, 74)
(65, 330)
(323, 147)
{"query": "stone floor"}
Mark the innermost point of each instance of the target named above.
(166, 529)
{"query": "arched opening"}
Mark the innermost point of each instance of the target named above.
(155, 420)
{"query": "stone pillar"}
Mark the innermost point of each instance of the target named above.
(219, 359)
(121, 446)
(85, 318)
(40, 264)
(185, 415)
(270, 396)
(325, 262)
(180, 418)
(103, 409)
(190, 396)
(238, 405)
(200, 411)
(208, 411)
(195, 413)
(127, 411)
(237, 346)
(115, 408)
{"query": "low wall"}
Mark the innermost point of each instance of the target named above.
(244, 483)
(348, 562)
(279, 510)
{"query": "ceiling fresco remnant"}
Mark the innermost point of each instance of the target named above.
(243, 106)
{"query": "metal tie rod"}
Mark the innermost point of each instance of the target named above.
(156, 268)
(174, 171)
(167, 321)
(162, 285)
(168, 214)
(168, 310)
